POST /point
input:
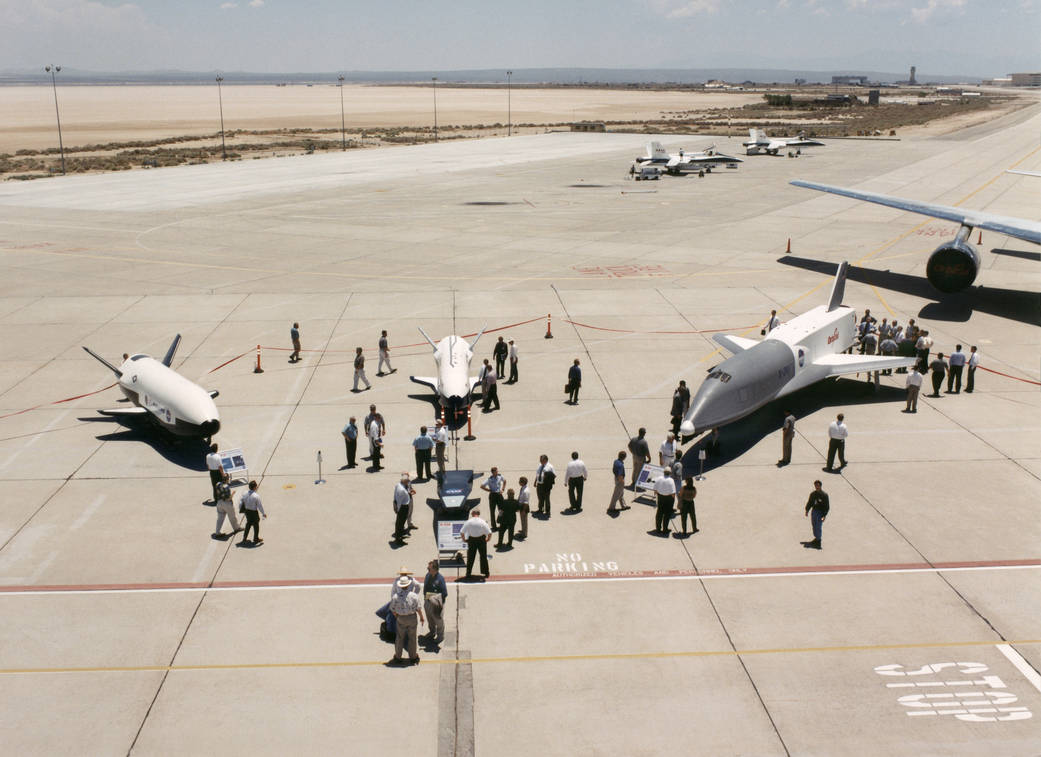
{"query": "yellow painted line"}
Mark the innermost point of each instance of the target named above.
(521, 659)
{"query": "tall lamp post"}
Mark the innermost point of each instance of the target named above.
(220, 102)
(434, 80)
(509, 110)
(343, 127)
(52, 70)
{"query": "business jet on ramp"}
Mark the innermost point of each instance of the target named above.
(803, 351)
(453, 382)
(758, 142)
(161, 394)
(685, 162)
(954, 265)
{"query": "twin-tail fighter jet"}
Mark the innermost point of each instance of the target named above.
(453, 382)
(684, 162)
(758, 142)
(794, 355)
(161, 394)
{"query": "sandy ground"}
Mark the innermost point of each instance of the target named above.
(115, 114)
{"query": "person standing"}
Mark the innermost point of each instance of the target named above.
(350, 440)
(545, 477)
(509, 508)
(686, 496)
(294, 337)
(476, 534)
(408, 615)
(837, 433)
(225, 508)
(491, 390)
(494, 485)
(500, 352)
(680, 404)
(677, 470)
(513, 363)
(914, 386)
(922, 346)
(215, 468)
(974, 362)
(383, 349)
(618, 495)
(359, 370)
(375, 440)
(641, 453)
(524, 499)
(787, 435)
(574, 382)
(956, 363)
(938, 368)
(253, 509)
(422, 445)
(667, 452)
(440, 443)
(665, 489)
(403, 493)
(435, 594)
(817, 507)
(888, 348)
(575, 476)
(374, 415)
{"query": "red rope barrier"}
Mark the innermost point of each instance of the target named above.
(58, 402)
(1014, 378)
(633, 331)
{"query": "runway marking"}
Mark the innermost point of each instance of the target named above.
(1021, 665)
(610, 656)
(522, 578)
(88, 512)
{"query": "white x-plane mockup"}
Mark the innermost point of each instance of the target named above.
(953, 265)
(163, 395)
(684, 162)
(453, 382)
(758, 142)
(798, 353)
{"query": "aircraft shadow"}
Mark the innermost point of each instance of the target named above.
(740, 436)
(452, 422)
(1013, 304)
(187, 453)
(1021, 254)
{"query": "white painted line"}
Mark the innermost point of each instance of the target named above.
(205, 561)
(87, 512)
(1021, 665)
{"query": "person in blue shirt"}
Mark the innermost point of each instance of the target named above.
(574, 382)
(423, 444)
(435, 594)
(350, 439)
(618, 496)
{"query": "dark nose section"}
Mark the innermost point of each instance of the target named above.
(210, 428)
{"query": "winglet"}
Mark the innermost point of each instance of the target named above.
(96, 356)
(428, 338)
(172, 351)
(838, 287)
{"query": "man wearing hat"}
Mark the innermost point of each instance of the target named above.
(408, 614)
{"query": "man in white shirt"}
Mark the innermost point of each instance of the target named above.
(914, 386)
(513, 363)
(524, 499)
(974, 361)
(403, 493)
(495, 485)
(253, 509)
(575, 476)
(922, 346)
(665, 488)
(476, 533)
(955, 364)
(440, 443)
(771, 324)
(213, 465)
(225, 509)
(667, 451)
(837, 433)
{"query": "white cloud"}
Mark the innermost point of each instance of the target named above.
(228, 6)
(256, 3)
(923, 14)
(685, 8)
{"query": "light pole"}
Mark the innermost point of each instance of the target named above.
(434, 80)
(220, 102)
(52, 70)
(509, 110)
(343, 128)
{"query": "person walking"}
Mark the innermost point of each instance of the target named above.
(350, 440)
(435, 594)
(686, 496)
(771, 324)
(618, 495)
(817, 507)
(956, 364)
(359, 370)
(974, 362)
(403, 493)
(914, 386)
(422, 445)
(494, 485)
(513, 363)
(225, 509)
(787, 435)
(545, 477)
(575, 476)
(476, 533)
(524, 499)
(440, 443)
(665, 489)
(215, 468)
(641, 453)
(491, 390)
(294, 337)
(680, 404)
(408, 615)
(500, 352)
(384, 352)
(837, 434)
(574, 382)
(938, 368)
(251, 506)
(508, 510)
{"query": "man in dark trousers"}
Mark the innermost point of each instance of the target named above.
(476, 534)
(545, 477)
(574, 382)
(216, 469)
(787, 435)
(294, 337)
(680, 404)
(817, 507)
(939, 369)
(641, 453)
(499, 352)
(350, 440)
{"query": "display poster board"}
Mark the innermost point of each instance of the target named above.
(648, 475)
(234, 463)
(449, 536)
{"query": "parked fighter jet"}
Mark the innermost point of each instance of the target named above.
(163, 395)
(684, 162)
(798, 353)
(759, 142)
(453, 382)
(953, 265)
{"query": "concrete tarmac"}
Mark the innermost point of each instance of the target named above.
(126, 629)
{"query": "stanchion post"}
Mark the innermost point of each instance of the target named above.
(980, 239)
(788, 249)
(258, 369)
(320, 479)
(701, 471)
(549, 326)
(469, 428)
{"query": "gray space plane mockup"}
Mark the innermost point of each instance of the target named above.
(164, 396)
(453, 382)
(794, 355)
(954, 265)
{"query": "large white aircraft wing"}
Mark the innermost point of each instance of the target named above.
(842, 363)
(1023, 173)
(733, 344)
(425, 380)
(1029, 231)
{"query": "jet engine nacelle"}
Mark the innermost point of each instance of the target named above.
(953, 266)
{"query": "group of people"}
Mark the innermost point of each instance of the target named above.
(411, 604)
(250, 505)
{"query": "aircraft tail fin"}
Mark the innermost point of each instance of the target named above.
(96, 356)
(755, 135)
(425, 336)
(473, 344)
(838, 287)
(657, 150)
(168, 359)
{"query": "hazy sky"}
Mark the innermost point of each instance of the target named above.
(974, 37)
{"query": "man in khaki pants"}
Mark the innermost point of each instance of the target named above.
(408, 614)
